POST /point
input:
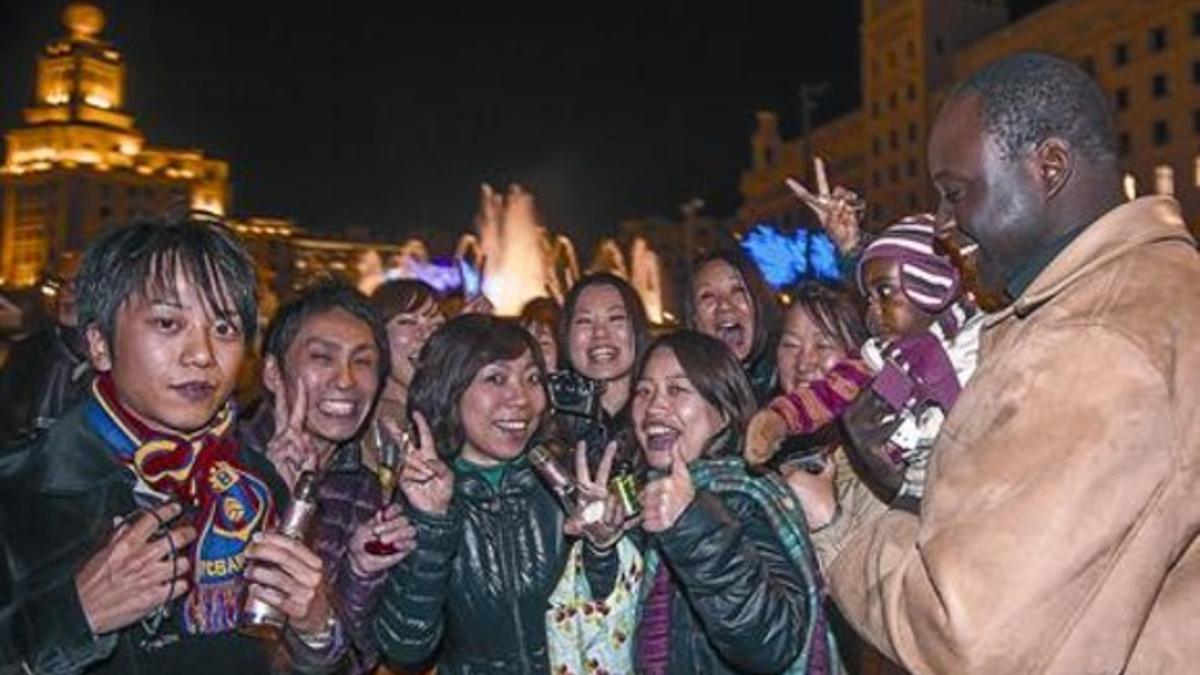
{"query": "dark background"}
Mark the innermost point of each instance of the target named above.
(388, 115)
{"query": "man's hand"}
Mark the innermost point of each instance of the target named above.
(388, 528)
(134, 573)
(425, 480)
(288, 576)
(840, 211)
(290, 449)
(767, 429)
(666, 498)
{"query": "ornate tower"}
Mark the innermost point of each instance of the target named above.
(79, 163)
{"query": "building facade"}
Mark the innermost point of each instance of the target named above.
(1146, 54)
(79, 163)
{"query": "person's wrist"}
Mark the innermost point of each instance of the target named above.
(321, 638)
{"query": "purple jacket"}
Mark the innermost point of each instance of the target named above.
(349, 494)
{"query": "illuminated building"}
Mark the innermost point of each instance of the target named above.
(1146, 54)
(79, 163)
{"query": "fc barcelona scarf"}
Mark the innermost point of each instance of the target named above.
(228, 503)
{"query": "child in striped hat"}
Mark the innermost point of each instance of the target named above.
(923, 350)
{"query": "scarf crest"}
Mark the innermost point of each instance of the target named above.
(227, 502)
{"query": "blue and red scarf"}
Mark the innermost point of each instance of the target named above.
(201, 471)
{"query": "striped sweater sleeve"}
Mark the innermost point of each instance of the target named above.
(820, 402)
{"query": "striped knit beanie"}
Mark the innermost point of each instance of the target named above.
(928, 280)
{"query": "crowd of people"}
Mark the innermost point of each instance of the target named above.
(979, 453)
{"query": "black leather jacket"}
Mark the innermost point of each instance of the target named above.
(738, 604)
(58, 498)
(473, 595)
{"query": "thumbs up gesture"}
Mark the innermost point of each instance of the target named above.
(665, 499)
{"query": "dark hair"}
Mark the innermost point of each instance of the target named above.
(402, 296)
(324, 296)
(144, 259)
(766, 308)
(546, 312)
(834, 310)
(633, 306)
(1029, 97)
(714, 371)
(448, 363)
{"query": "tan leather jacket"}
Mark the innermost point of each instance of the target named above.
(1058, 533)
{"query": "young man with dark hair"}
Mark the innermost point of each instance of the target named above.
(325, 359)
(1058, 533)
(135, 527)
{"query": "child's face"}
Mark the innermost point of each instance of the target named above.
(173, 364)
(890, 315)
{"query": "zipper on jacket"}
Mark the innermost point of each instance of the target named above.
(510, 546)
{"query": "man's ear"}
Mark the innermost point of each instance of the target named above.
(272, 376)
(1055, 163)
(99, 351)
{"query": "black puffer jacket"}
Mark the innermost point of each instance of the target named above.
(473, 595)
(738, 604)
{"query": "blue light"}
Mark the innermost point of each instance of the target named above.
(784, 260)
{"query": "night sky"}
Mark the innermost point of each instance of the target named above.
(388, 115)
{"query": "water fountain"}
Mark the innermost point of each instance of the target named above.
(516, 257)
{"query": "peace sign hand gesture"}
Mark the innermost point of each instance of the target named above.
(425, 480)
(665, 499)
(840, 211)
(291, 449)
(598, 515)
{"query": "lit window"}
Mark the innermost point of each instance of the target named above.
(1130, 187)
(1196, 180)
(1164, 180)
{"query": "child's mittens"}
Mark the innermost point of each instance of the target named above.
(916, 372)
(767, 429)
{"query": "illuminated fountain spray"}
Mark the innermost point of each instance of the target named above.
(519, 259)
(642, 271)
(645, 277)
(409, 261)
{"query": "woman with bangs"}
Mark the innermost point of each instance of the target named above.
(491, 546)
(731, 581)
(604, 330)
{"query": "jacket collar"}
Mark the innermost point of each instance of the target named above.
(518, 479)
(73, 457)
(1116, 233)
